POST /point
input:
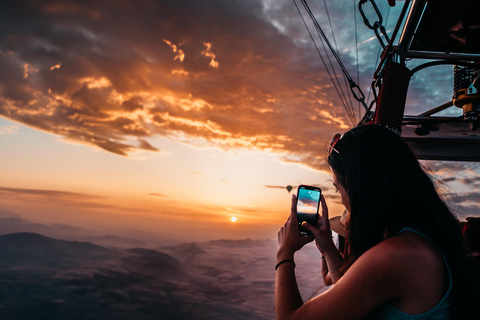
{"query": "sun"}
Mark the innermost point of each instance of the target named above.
(234, 219)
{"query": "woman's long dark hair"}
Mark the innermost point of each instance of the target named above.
(389, 191)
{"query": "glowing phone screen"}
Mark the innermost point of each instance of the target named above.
(308, 201)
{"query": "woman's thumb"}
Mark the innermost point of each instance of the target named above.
(309, 227)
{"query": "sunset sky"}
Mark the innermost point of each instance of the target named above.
(171, 117)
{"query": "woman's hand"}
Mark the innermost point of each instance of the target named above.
(321, 232)
(290, 239)
(333, 262)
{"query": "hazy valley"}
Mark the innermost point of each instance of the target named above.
(47, 278)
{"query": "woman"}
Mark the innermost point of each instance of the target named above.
(404, 256)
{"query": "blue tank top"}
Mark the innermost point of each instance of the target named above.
(440, 312)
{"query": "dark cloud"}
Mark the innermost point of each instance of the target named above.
(470, 199)
(449, 166)
(446, 180)
(158, 194)
(445, 172)
(144, 144)
(277, 187)
(464, 204)
(470, 181)
(336, 198)
(46, 193)
(58, 197)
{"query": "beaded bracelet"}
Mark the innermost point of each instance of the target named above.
(288, 260)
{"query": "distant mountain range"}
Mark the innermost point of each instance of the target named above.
(33, 243)
(26, 249)
(46, 278)
(186, 249)
(13, 223)
(35, 250)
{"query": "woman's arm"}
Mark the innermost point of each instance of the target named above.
(372, 280)
(376, 277)
(287, 296)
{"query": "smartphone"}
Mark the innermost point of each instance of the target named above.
(308, 202)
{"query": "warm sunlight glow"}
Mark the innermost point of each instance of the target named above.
(234, 219)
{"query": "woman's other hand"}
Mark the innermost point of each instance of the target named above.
(290, 239)
(333, 262)
(321, 232)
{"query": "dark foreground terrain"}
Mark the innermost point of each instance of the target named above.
(46, 278)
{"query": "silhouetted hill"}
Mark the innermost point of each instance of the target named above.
(118, 241)
(190, 248)
(31, 249)
(36, 243)
(148, 258)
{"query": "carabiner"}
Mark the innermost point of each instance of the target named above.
(365, 19)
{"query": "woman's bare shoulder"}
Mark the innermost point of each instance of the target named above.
(374, 278)
(415, 267)
(391, 250)
(386, 272)
(407, 245)
(404, 257)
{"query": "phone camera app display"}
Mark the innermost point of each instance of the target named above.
(307, 206)
(308, 201)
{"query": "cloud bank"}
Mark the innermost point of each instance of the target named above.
(233, 74)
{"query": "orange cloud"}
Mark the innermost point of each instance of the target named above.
(57, 66)
(180, 55)
(28, 69)
(209, 54)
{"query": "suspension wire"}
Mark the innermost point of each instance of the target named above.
(324, 63)
(350, 109)
(326, 40)
(336, 48)
(330, 23)
(321, 35)
(356, 49)
(319, 53)
(324, 36)
(352, 83)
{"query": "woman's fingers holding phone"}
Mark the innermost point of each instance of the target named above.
(323, 222)
(289, 237)
(293, 210)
